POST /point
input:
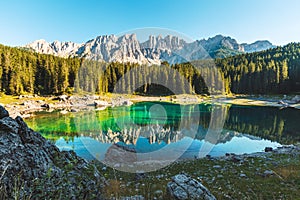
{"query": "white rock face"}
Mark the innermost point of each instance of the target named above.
(65, 49)
(111, 48)
(62, 49)
(127, 48)
(169, 43)
(41, 46)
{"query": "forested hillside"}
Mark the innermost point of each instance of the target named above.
(272, 71)
(23, 71)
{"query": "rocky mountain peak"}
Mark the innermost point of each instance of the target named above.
(103, 39)
(259, 45)
(220, 41)
(110, 48)
(42, 46)
(57, 48)
(169, 43)
(127, 48)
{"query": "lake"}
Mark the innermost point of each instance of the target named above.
(165, 131)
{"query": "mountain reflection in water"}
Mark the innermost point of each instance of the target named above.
(149, 126)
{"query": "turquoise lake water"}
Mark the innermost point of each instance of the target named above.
(155, 130)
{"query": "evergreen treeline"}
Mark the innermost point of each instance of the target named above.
(23, 71)
(142, 79)
(273, 71)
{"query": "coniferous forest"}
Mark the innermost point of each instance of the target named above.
(274, 71)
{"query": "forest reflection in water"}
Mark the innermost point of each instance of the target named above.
(149, 126)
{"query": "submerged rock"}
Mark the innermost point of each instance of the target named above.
(184, 187)
(120, 101)
(118, 156)
(32, 166)
(100, 103)
(268, 149)
(296, 99)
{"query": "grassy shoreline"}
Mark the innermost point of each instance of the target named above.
(254, 176)
(272, 175)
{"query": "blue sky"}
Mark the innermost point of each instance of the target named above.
(80, 20)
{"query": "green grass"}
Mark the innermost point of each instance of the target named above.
(224, 183)
(10, 99)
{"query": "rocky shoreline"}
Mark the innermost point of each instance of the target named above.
(292, 101)
(246, 176)
(25, 105)
(29, 104)
(31, 166)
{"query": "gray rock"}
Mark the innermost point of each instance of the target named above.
(181, 178)
(127, 103)
(268, 149)
(45, 106)
(27, 158)
(63, 98)
(3, 112)
(120, 101)
(176, 191)
(74, 110)
(184, 187)
(9, 124)
(136, 197)
(100, 103)
(158, 193)
(29, 104)
(268, 173)
(40, 101)
(283, 103)
(243, 175)
(296, 99)
(236, 158)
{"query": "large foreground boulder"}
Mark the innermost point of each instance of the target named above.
(31, 167)
(3, 112)
(183, 187)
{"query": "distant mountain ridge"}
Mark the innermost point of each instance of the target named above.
(257, 46)
(127, 48)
